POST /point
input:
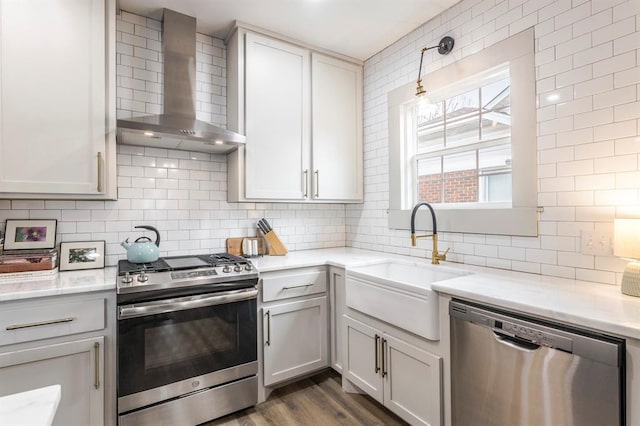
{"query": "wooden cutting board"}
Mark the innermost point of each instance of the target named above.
(234, 246)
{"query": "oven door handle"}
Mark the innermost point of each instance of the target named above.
(184, 303)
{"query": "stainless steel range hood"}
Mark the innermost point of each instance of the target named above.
(178, 128)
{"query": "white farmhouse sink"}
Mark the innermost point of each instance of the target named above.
(400, 294)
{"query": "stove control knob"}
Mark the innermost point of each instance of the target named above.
(143, 278)
(237, 268)
(226, 269)
(127, 279)
(248, 267)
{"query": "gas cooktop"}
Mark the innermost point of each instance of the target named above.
(176, 263)
(221, 269)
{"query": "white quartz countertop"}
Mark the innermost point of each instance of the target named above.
(342, 257)
(591, 305)
(580, 303)
(67, 282)
(33, 408)
(585, 304)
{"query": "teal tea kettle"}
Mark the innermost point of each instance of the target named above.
(143, 250)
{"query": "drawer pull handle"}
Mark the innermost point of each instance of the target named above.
(291, 287)
(317, 173)
(39, 324)
(96, 382)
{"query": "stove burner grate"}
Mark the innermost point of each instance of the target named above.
(160, 265)
(125, 266)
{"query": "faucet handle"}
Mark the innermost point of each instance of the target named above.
(443, 256)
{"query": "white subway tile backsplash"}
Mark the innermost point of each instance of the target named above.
(76, 215)
(627, 112)
(612, 98)
(573, 45)
(627, 77)
(555, 8)
(576, 260)
(623, 129)
(621, 61)
(591, 87)
(595, 181)
(595, 54)
(614, 31)
(593, 118)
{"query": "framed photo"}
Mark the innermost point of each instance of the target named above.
(81, 255)
(25, 234)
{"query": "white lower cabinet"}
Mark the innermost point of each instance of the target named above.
(77, 366)
(404, 378)
(294, 339)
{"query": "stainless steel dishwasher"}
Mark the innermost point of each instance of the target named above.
(508, 369)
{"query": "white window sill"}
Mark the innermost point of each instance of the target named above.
(496, 221)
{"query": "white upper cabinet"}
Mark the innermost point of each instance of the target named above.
(337, 128)
(57, 99)
(277, 118)
(302, 114)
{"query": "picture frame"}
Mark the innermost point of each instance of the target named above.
(29, 234)
(81, 255)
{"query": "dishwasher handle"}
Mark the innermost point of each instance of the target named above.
(516, 343)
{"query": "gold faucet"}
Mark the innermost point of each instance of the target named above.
(436, 256)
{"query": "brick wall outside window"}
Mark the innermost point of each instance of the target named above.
(459, 187)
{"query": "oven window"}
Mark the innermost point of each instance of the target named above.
(161, 349)
(183, 342)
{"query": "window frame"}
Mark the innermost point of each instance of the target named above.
(521, 217)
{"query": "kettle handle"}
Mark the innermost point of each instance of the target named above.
(151, 228)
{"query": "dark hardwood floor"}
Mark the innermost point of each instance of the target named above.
(318, 400)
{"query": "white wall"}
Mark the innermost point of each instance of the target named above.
(182, 194)
(588, 53)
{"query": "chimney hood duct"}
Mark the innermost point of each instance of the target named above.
(178, 128)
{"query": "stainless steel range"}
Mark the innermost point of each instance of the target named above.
(187, 339)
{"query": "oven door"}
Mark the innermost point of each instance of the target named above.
(168, 348)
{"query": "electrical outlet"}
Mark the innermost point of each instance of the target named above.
(596, 243)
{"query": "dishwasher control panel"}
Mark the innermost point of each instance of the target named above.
(513, 327)
(534, 335)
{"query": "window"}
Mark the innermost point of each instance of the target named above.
(470, 151)
(461, 144)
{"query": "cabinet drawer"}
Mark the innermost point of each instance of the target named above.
(295, 283)
(42, 321)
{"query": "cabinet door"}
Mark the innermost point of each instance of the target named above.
(52, 96)
(412, 385)
(277, 119)
(78, 367)
(362, 357)
(295, 339)
(336, 312)
(336, 129)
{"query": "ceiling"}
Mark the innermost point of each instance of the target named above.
(356, 28)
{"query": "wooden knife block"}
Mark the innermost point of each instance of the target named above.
(276, 248)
